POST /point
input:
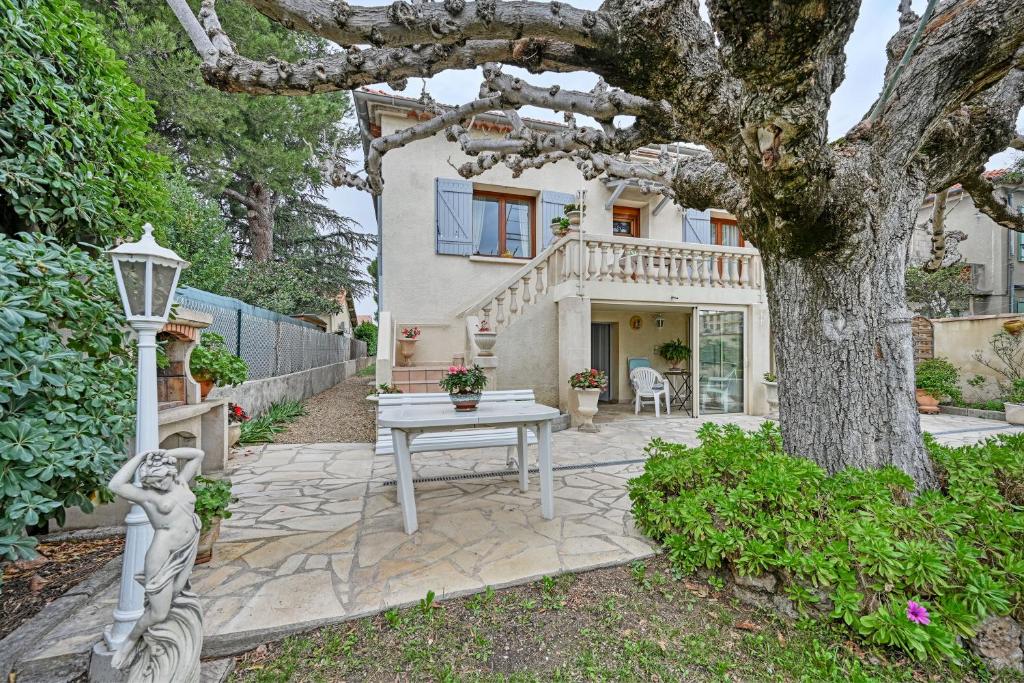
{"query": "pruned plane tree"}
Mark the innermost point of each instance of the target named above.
(751, 85)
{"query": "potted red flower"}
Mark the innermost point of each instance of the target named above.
(236, 416)
(464, 386)
(588, 385)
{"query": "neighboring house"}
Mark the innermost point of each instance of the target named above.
(994, 255)
(340, 322)
(453, 252)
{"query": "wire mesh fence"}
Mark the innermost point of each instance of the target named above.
(270, 343)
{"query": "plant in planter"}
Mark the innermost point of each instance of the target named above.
(936, 379)
(674, 351)
(771, 386)
(407, 344)
(574, 213)
(485, 338)
(588, 385)
(464, 386)
(1013, 405)
(213, 496)
(212, 364)
(236, 416)
(385, 388)
(560, 226)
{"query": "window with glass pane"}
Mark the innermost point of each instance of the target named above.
(721, 362)
(502, 225)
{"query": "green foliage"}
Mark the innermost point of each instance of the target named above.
(262, 429)
(281, 287)
(385, 388)
(196, 231)
(939, 378)
(1007, 357)
(941, 294)
(463, 380)
(857, 538)
(74, 160)
(211, 360)
(67, 383)
(367, 332)
(1016, 394)
(213, 496)
(674, 351)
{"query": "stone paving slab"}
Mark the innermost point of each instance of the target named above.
(316, 533)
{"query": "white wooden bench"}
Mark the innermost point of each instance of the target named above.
(458, 440)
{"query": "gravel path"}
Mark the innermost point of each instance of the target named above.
(339, 415)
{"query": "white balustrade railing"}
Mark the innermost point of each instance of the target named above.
(626, 260)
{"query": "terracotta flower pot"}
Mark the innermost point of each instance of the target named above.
(205, 387)
(926, 403)
(206, 541)
(407, 349)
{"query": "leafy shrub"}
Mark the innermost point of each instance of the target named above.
(367, 332)
(939, 378)
(74, 160)
(856, 542)
(674, 351)
(213, 496)
(211, 360)
(1016, 394)
(67, 383)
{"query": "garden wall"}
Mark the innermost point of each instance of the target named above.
(259, 394)
(956, 339)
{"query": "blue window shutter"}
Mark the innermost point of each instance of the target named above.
(552, 206)
(697, 226)
(454, 216)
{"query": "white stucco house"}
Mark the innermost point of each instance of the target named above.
(454, 252)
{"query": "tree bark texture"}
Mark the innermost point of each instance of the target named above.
(844, 352)
(260, 217)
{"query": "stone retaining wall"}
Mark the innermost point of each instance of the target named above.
(255, 396)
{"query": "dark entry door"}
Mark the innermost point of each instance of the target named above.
(601, 353)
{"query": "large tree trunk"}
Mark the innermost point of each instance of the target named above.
(843, 347)
(260, 215)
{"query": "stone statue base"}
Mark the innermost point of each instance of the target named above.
(100, 668)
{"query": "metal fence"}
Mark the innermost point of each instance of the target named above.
(270, 343)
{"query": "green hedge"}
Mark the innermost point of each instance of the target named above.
(858, 542)
(67, 384)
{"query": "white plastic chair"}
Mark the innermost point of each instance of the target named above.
(649, 386)
(720, 389)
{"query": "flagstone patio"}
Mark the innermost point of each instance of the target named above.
(316, 533)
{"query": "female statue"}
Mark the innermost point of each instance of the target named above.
(165, 642)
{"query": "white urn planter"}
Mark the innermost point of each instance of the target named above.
(407, 349)
(485, 341)
(772, 394)
(586, 408)
(575, 217)
(1014, 413)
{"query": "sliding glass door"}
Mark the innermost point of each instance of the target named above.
(720, 389)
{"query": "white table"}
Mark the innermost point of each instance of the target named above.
(406, 422)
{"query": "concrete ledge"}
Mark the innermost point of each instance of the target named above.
(31, 633)
(257, 395)
(973, 412)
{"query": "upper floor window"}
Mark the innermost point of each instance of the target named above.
(626, 221)
(503, 224)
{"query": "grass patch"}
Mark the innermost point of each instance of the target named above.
(262, 429)
(369, 371)
(639, 622)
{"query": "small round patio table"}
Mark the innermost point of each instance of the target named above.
(682, 389)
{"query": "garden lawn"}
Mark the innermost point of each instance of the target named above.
(637, 622)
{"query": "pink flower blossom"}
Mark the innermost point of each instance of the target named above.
(917, 613)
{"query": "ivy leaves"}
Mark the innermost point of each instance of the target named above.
(853, 546)
(66, 383)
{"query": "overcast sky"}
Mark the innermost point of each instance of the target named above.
(865, 65)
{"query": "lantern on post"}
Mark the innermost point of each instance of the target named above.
(147, 275)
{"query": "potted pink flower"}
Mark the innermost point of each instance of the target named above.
(464, 386)
(588, 385)
(485, 338)
(407, 344)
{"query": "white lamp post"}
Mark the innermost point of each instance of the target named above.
(147, 275)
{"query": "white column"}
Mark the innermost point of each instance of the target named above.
(139, 532)
(573, 345)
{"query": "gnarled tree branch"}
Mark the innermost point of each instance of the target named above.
(983, 192)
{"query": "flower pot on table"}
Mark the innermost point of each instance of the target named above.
(465, 402)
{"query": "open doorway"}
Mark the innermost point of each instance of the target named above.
(601, 354)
